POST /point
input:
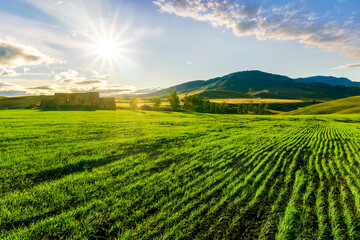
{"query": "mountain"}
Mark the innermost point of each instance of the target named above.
(348, 105)
(334, 81)
(265, 85)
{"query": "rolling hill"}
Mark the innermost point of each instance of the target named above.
(20, 102)
(266, 85)
(348, 105)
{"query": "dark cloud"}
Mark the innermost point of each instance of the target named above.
(249, 11)
(245, 27)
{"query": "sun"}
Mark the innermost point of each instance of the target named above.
(110, 52)
(110, 45)
(108, 49)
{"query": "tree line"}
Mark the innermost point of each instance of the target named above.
(195, 103)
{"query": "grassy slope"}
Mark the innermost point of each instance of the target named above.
(131, 175)
(20, 102)
(349, 105)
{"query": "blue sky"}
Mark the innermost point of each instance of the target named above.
(124, 46)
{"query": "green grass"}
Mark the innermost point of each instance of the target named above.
(164, 175)
(349, 105)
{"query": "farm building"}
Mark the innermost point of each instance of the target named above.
(89, 101)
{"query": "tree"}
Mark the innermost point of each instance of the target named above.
(174, 101)
(134, 102)
(246, 109)
(256, 109)
(156, 101)
(192, 102)
(186, 101)
(206, 104)
(266, 109)
(217, 108)
(261, 109)
(212, 107)
(195, 102)
(240, 109)
(251, 106)
(223, 107)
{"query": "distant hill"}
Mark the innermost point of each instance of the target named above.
(334, 81)
(266, 85)
(21, 102)
(348, 105)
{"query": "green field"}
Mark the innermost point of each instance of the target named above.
(350, 105)
(164, 175)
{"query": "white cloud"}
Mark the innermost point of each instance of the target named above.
(348, 66)
(97, 75)
(289, 22)
(68, 76)
(13, 55)
(59, 2)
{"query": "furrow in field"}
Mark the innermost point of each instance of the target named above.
(338, 226)
(350, 214)
(255, 211)
(289, 226)
(269, 228)
(233, 184)
(239, 199)
(322, 205)
(62, 207)
(200, 190)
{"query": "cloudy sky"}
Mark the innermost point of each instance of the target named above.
(120, 46)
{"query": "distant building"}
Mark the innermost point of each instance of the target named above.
(85, 101)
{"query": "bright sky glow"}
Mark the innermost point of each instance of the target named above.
(116, 47)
